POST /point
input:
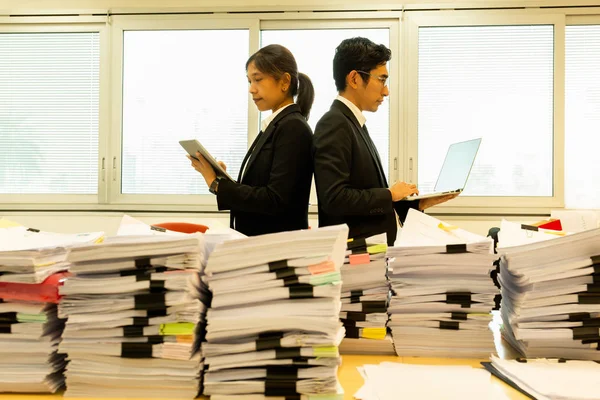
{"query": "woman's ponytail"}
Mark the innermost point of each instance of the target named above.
(306, 94)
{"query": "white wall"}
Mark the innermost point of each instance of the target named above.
(72, 222)
(41, 7)
(77, 221)
(108, 222)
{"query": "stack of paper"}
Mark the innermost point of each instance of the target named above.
(29, 255)
(550, 379)
(273, 327)
(133, 227)
(393, 381)
(512, 234)
(443, 294)
(577, 220)
(365, 296)
(550, 293)
(216, 235)
(30, 331)
(133, 308)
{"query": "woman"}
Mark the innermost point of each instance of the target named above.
(273, 187)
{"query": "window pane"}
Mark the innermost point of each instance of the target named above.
(316, 61)
(494, 82)
(582, 117)
(49, 113)
(182, 85)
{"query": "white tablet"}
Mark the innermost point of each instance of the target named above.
(193, 146)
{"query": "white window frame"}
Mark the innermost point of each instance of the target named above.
(480, 204)
(120, 24)
(67, 25)
(589, 16)
(593, 19)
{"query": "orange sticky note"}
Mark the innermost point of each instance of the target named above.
(359, 259)
(185, 338)
(326, 266)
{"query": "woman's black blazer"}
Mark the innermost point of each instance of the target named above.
(272, 194)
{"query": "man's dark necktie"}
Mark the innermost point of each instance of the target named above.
(373, 150)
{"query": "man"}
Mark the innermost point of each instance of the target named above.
(350, 180)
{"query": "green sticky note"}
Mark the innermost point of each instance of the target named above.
(377, 248)
(22, 317)
(177, 328)
(325, 279)
(326, 351)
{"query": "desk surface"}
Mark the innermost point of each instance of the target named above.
(352, 381)
(349, 376)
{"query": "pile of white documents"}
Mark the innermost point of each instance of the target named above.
(32, 266)
(29, 255)
(550, 292)
(273, 326)
(443, 293)
(393, 381)
(29, 337)
(134, 309)
(214, 235)
(133, 227)
(546, 379)
(365, 297)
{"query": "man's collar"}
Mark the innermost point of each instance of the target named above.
(355, 110)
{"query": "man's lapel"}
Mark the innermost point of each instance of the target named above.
(348, 113)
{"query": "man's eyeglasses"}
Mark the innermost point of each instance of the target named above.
(382, 79)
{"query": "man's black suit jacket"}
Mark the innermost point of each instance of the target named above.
(273, 193)
(351, 184)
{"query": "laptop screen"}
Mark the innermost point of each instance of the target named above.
(457, 165)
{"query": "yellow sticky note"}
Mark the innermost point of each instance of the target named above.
(178, 328)
(4, 223)
(377, 248)
(46, 264)
(374, 333)
(557, 233)
(447, 228)
(326, 351)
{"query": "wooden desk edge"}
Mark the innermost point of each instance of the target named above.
(348, 374)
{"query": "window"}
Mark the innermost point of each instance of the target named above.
(49, 112)
(582, 116)
(494, 82)
(181, 84)
(316, 61)
(92, 107)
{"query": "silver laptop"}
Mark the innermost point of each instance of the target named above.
(455, 170)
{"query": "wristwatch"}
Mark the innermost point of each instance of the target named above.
(214, 186)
